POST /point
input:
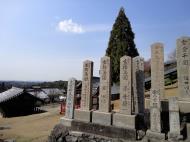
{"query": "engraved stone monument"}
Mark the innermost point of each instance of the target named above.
(103, 115)
(84, 113)
(157, 91)
(70, 101)
(183, 64)
(138, 85)
(124, 117)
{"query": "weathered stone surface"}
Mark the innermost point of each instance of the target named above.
(155, 124)
(183, 63)
(157, 85)
(174, 118)
(154, 137)
(86, 99)
(157, 68)
(115, 134)
(105, 85)
(125, 85)
(138, 84)
(71, 90)
(66, 121)
(101, 118)
(58, 131)
(124, 121)
(83, 115)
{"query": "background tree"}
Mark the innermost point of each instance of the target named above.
(121, 43)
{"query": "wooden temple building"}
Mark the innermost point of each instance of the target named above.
(17, 102)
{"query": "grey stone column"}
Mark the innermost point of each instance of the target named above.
(157, 85)
(70, 102)
(125, 85)
(138, 84)
(124, 117)
(103, 115)
(183, 64)
(157, 91)
(84, 113)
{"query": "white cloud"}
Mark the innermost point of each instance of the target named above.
(68, 26)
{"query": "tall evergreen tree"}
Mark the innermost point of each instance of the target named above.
(121, 43)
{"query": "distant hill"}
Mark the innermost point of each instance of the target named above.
(5, 85)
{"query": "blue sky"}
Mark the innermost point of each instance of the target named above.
(49, 39)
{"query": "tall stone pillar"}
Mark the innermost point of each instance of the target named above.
(103, 115)
(70, 101)
(125, 118)
(157, 91)
(138, 85)
(183, 64)
(84, 113)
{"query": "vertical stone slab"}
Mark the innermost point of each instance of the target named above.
(157, 85)
(183, 63)
(138, 84)
(174, 117)
(103, 115)
(84, 113)
(71, 90)
(157, 68)
(155, 119)
(124, 118)
(86, 95)
(125, 85)
(105, 85)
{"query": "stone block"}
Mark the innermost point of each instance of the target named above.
(173, 137)
(66, 121)
(102, 118)
(124, 121)
(154, 136)
(83, 115)
(117, 134)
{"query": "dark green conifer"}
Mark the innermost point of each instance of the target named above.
(121, 43)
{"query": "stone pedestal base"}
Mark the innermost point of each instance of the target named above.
(101, 118)
(83, 115)
(124, 121)
(172, 137)
(114, 134)
(154, 136)
(66, 121)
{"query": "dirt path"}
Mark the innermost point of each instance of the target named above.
(32, 128)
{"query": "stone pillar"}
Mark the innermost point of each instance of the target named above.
(157, 85)
(157, 68)
(125, 85)
(124, 117)
(84, 113)
(70, 101)
(103, 115)
(157, 91)
(138, 85)
(183, 63)
(174, 133)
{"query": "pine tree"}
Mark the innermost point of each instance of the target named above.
(121, 43)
